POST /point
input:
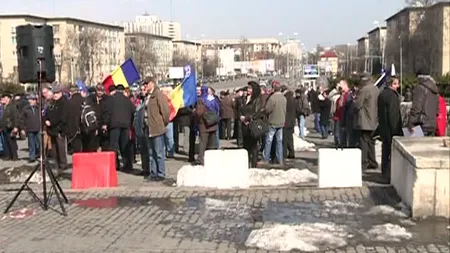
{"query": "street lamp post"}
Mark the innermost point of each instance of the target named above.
(401, 65)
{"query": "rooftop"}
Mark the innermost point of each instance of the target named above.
(377, 29)
(55, 19)
(143, 34)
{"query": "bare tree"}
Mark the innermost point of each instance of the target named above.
(85, 49)
(245, 49)
(141, 49)
(210, 65)
(181, 59)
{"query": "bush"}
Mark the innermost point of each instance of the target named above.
(11, 88)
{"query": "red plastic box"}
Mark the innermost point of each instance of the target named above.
(94, 170)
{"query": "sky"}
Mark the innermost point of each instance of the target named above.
(325, 22)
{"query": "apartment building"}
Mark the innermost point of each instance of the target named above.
(245, 49)
(153, 24)
(83, 49)
(151, 53)
(363, 55)
(191, 49)
(377, 43)
(420, 38)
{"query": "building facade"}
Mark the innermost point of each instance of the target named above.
(152, 54)
(83, 50)
(245, 49)
(153, 24)
(377, 44)
(190, 49)
(418, 38)
(363, 55)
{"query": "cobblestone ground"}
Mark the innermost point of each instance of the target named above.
(149, 217)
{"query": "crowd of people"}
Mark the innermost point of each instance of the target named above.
(262, 119)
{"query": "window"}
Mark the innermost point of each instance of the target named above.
(13, 40)
(57, 40)
(55, 28)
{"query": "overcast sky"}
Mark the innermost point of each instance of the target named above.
(326, 22)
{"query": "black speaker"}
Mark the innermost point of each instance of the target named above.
(35, 58)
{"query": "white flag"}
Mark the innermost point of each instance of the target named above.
(392, 69)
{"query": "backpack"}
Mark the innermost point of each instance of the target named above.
(88, 118)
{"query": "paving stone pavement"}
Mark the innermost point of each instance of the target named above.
(143, 217)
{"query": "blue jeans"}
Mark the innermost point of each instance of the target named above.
(157, 156)
(317, 122)
(301, 126)
(274, 134)
(34, 144)
(168, 140)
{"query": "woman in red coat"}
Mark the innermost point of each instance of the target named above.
(441, 123)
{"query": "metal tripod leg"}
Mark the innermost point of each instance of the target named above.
(23, 187)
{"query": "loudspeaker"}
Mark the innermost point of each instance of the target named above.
(35, 58)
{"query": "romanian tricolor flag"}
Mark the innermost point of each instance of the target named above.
(125, 74)
(184, 94)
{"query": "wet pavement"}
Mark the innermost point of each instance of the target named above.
(223, 221)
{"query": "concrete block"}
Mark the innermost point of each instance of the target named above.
(340, 168)
(226, 169)
(420, 169)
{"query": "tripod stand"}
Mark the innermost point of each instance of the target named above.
(43, 166)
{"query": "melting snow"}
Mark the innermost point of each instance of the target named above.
(302, 145)
(389, 233)
(262, 177)
(193, 176)
(305, 237)
(340, 208)
(386, 210)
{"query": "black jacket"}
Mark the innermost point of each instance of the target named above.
(325, 111)
(56, 115)
(238, 103)
(389, 117)
(30, 117)
(291, 103)
(73, 114)
(425, 105)
(185, 116)
(10, 118)
(313, 98)
(119, 111)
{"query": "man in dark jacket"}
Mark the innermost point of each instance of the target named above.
(313, 97)
(73, 120)
(302, 110)
(289, 123)
(10, 124)
(118, 120)
(226, 115)
(32, 127)
(366, 109)
(425, 106)
(239, 101)
(390, 122)
(101, 100)
(56, 127)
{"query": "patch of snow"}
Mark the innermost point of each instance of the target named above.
(194, 176)
(191, 176)
(386, 210)
(21, 173)
(407, 222)
(305, 237)
(340, 208)
(297, 131)
(262, 177)
(216, 203)
(389, 233)
(302, 145)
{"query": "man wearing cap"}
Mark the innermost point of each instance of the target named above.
(158, 112)
(54, 120)
(100, 109)
(10, 125)
(32, 128)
